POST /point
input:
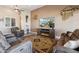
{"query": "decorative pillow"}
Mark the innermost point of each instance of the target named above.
(72, 44)
(4, 43)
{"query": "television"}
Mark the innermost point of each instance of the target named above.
(43, 22)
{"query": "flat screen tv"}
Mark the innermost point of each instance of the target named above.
(43, 22)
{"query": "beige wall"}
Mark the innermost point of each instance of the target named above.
(8, 12)
(60, 26)
(23, 22)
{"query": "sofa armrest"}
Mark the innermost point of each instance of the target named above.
(24, 47)
(61, 49)
(9, 35)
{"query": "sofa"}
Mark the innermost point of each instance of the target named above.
(68, 42)
(23, 47)
(10, 37)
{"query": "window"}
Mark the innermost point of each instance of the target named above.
(9, 22)
(13, 22)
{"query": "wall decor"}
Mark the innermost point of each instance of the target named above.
(68, 11)
(35, 17)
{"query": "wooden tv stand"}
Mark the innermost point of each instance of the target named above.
(46, 32)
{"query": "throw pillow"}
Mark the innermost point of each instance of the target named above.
(72, 44)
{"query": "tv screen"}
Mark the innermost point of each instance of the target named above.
(43, 22)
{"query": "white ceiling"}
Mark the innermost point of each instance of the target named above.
(24, 7)
(30, 7)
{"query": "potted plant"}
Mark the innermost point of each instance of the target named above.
(51, 23)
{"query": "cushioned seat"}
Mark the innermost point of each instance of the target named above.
(17, 32)
(68, 42)
(23, 47)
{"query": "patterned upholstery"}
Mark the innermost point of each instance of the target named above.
(23, 47)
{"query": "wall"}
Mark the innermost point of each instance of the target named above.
(8, 12)
(60, 26)
(25, 24)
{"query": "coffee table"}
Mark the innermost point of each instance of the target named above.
(43, 44)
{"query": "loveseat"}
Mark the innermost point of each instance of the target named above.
(68, 42)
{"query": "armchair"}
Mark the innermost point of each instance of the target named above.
(17, 32)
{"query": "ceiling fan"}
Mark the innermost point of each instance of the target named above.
(17, 8)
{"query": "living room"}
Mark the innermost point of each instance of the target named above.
(65, 21)
(27, 30)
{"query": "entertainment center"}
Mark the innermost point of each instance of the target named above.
(47, 27)
(46, 32)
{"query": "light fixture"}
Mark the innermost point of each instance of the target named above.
(68, 11)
